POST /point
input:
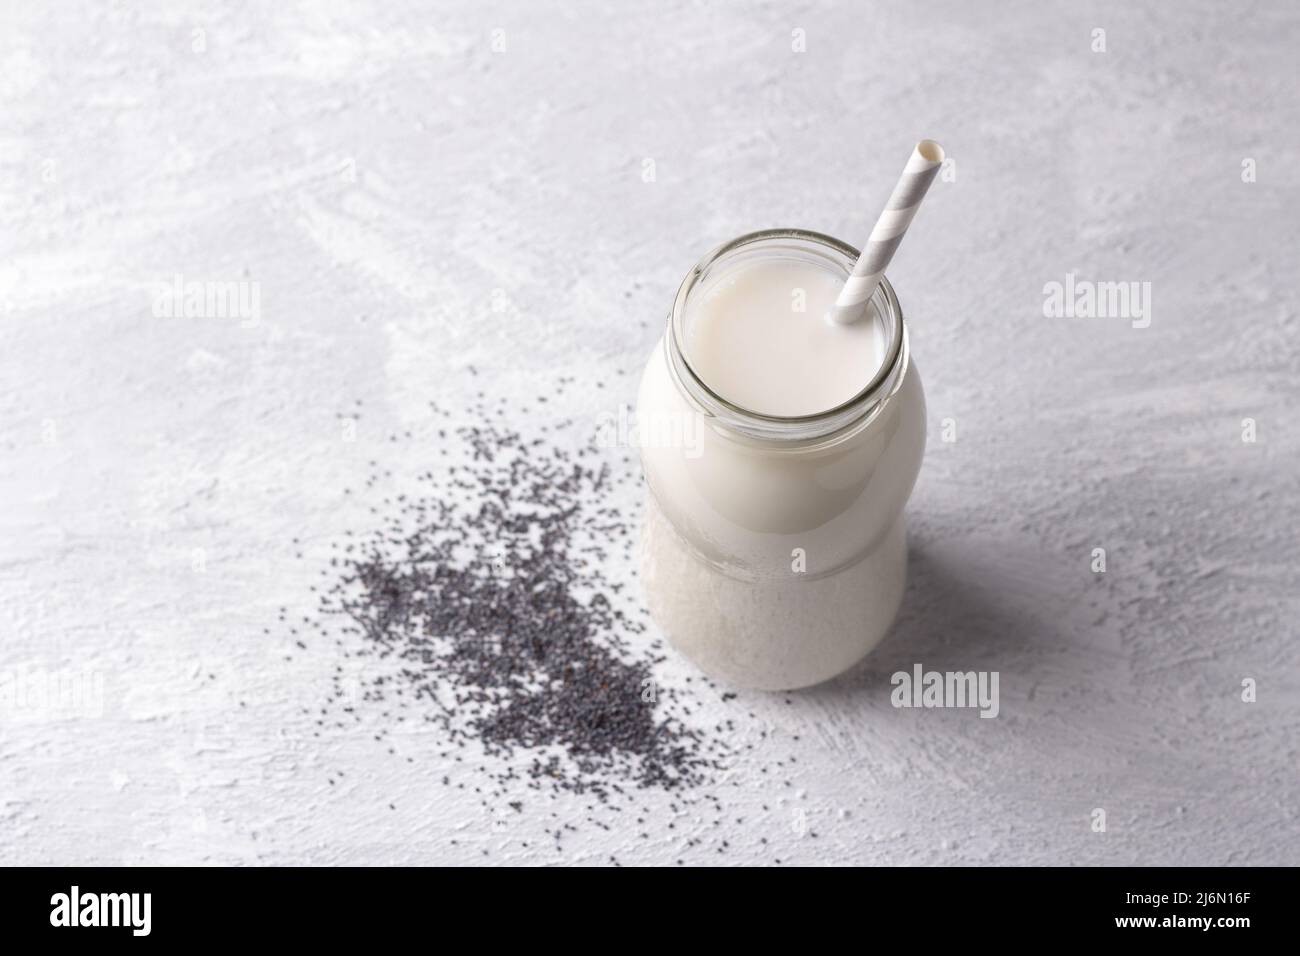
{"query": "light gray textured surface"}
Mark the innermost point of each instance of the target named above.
(385, 177)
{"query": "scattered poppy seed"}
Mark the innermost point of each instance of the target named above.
(480, 601)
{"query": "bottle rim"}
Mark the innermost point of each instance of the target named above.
(886, 380)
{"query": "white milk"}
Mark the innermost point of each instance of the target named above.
(761, 336)
(773, 553)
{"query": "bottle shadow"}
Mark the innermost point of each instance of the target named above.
(964, 610)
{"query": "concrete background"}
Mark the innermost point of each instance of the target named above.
(385, 176)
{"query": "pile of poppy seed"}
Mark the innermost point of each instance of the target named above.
(481, 603)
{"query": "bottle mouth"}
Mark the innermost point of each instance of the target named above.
(799, 428)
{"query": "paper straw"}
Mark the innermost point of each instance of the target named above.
(889, 231)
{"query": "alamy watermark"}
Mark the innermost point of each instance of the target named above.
(629, 429)
(181, 299)
(1085, 299)
(922, 688)
(35, 694)
(130, 910)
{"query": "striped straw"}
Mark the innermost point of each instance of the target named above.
(888, 234)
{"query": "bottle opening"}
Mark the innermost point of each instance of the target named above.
(753, 341)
